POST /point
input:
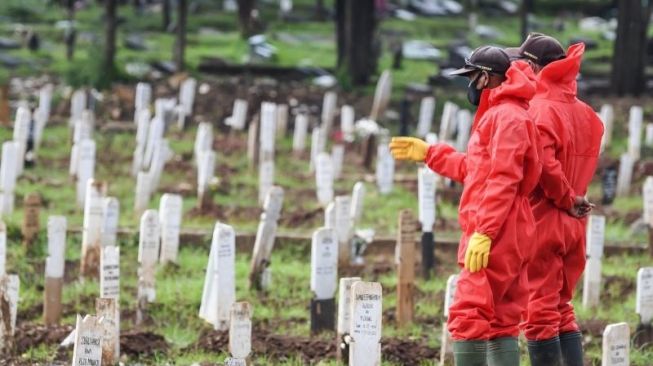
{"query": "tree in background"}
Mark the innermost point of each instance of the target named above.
(629, 56)
(526, 8)
(355, 33)
(108, 65)
(166, 14)
(180, 43)
(245, 8)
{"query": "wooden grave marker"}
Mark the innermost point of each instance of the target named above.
(31, 223)
(405, 260)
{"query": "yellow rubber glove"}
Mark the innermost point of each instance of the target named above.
(408, 148)
(478, 252)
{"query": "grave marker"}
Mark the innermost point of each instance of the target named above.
(266, 153)
(299, 134)
(21, 135)
(85, 168)
(647, 195)
(142, 199)
(330, 216)
(382, 95)
(344, 317)
(77, 105)
(89, 333)
(426, 187)
(154, 136)
(315, 147)
(92, 230)
(170, 210)
(148, 254)
(324, 275)
(219, 292)
(447, 121)
(464, 126)
(644, 298)
(649, 135)
(357, 199)
(592, 276)
(3, 248)
(344, 228)
(205, 174)
(385, 168)
(347, 117)
(609, 185)
(607, 117)
(110, 272)
(265, 235)
(238, 116)
(143, 97)
(9, 287)
(624, 179)
(405, 260)
(324, 176)
(107, 311)
(110, 219)
(187, 96)
(31, 224)
(203, 140)
(143, 118)
(446, 349)
(635, 118)
(54, 270)
(282, 120)
(8, 176)
(426, 111)
(253, 145)
(240, 330)
(328, 113)
(616, 345)
(365, 326)
(337, 157)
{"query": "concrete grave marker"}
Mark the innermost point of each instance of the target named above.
(220, 281)
(385, 168)
(647, 197)
(31, 225)
(649, 135)
(464, 126)
(266, 153)
(42, 113)
(253, 145)
(8, 176)
(328, 114)
(78, 104)
(85, 162)
(143, 97)
(205, 174)
(592, 275)
(3, 248)
(446, 348)
(265, 237)
(92, 230)
(635, 131)
(89, 333)
(110, 272)
(299, 134)
(282, 119)
(627, 162)
(365, 325)
(240, 330)
(239, 115)
(107, 311)
(357, 200)
(83, 127)
(324, 277)
(142, 199)
(337, 157)
(330, 215)
(148, 254)
(143, 118)
(382, 95)
(21, 135)
(343, 225)
(266, 179)
(644, 297)
(54, 270)
(187, 96)
(324, 176)
(9, 290)
(154, 136)
(447, 121)
(426, 188)
(347, 116)
(405, 260)
(607, 117)
(616, 345)
(110, 220)
(344, 317)
(315, 146)
(426, 111)
(203, 139)
(170, 211)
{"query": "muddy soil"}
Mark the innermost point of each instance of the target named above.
(137, 343)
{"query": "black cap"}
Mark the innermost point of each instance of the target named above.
(488, 58)
(541, 49)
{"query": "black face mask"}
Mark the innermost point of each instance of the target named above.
(474, 94)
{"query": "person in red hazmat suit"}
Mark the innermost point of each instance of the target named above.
(499, 172)
(570, 136)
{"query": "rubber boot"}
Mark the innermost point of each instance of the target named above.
(545, 353)
(503, 352)
(571, 345)
(470, 353)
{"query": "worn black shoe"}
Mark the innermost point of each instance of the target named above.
(503, 352)
(545, 353)
(571, 345)
(470, 353)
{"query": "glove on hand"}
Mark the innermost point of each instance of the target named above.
(408, 148)
(478, 252)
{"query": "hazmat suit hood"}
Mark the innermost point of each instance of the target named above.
(557, 80)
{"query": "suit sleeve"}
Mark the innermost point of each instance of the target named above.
(446, 161)
(553, 180)
(507, 147)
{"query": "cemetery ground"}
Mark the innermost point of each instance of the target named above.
(172, 331)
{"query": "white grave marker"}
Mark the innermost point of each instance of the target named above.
(385, 168)
(85, 168)
(592, 276)
(426, 187)
(625, 177)
(21, 134)
(110, 219)
(447, 121)
(107, 312)
(324, 176)
(382, 95)
(240, 330)
(365, 327)
(8, 176)
(644, 298)
(265, 236)
(239, 115)
(649, 135)
(77, 105)
(143, 97)
(148, 253)
(347, 117)
(330, 216)
(54, 269)
(635, 131)
(9, 290)
(607, 117)
(647, 195)
(328, 113)
(357, 199)
(344, 304)
(187, 95)
(464, 118)
(282, 119)
(426, 111)
(446, 349)
(299, 134)
(110, 272)
(170, 209)
(3, 248)
(220, 283)
(92, 229)
(324, 263)
(616, 345)
(89, 333)
(203, 139)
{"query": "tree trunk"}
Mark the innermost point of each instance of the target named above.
(108, 63)
(70, 33)
(526, 8)
(180, 44)
(629, 56)
(320, 10)
(245, 8)
(356, 31)
(166, 14)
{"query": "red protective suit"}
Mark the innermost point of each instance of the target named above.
(570, 135)
(499, 172)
